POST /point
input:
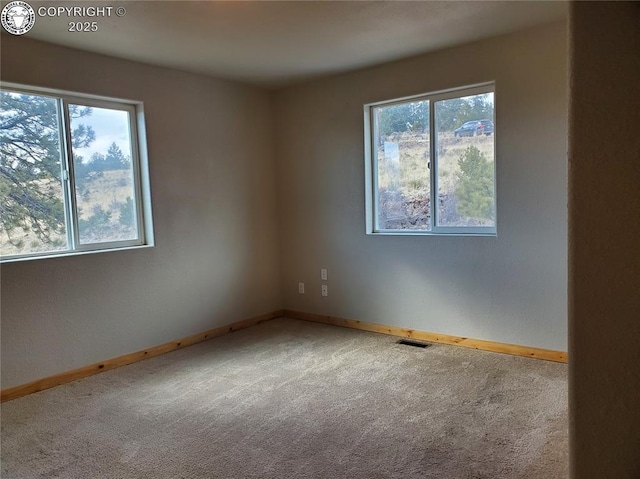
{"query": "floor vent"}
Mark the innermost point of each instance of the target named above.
(414, 343)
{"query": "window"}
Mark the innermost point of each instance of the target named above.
(72, 176)
(430, 163)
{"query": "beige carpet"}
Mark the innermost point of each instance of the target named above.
(292, 399)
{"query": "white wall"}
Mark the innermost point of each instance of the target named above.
(213, 189)
(231, 219)
(511, 288)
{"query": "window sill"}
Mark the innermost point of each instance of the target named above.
(18, 259)
(488, 234)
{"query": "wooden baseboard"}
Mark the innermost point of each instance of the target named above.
(66, 377)
(513, 349)
(69, 376)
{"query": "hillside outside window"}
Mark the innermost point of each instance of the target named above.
(72, 177)
(430, 163)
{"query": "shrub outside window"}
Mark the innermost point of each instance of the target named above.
(430, 163)
(72, 174)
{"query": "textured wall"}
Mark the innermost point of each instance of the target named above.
(213, 190)
(213, 180)
(604, 240)
(512, 288)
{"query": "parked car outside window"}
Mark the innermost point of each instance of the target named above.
(474, 128)
(488, 126)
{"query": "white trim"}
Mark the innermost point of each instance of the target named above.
(57, 93)
(368, 171)
(371, 166)
(374, 148)
(476, 89)
(433, 167)
(139, 166)
(64, 167)
(463, 92)
(463, 234)
(146, 213)
(62, 254)
(72, 225)
(135, 165)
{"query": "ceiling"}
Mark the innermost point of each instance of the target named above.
(274, 44)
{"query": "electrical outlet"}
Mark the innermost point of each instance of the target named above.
(323, 274)
(325, 290)
(301, 288)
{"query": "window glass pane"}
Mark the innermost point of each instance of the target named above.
(102, 160)
(32, 214)
(465, 159)
(401, 149)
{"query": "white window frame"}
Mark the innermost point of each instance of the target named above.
(371, 166)
(139, 165)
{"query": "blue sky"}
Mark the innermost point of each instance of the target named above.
(109, 126)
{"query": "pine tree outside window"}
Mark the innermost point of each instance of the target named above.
(430, 163)
(73, 176)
